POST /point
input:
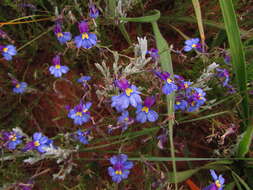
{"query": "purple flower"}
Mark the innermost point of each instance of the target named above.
(80, 113)
(12, 139)
(57, 69)
(120, 168)
(144, 113)
(40, 142)
(169, 85)
(93, 11)
(129, 96)
(85, 39)
(20, 87)
(192, 44)
(8, 51)
(218, 182)
(62, 37)
(81, 136)
(154, 54)
(223, 74)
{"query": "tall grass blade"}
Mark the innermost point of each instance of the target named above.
(243, 183)
(197, 10)
(239, 68)
(166, 63)
(244, 144)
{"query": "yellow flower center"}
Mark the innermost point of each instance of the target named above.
(17, 85)
(57, 66)
(126, 119)
(79, 114)
(129, 91)
(178, 103)
(13, 137)
(85, 110)
(85, 36)
(169, 80)
(118, 172)
(186, 85)
(217, 183)
(5, 49)
(194, 45)
(145, 109)
(193, 103)
(59, 34)
(36, 143)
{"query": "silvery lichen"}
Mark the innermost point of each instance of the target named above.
(207, 74)
(135, 65)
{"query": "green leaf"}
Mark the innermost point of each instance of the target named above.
(153, 17)
(230, 186)
(244, 184)
(210, 23)
(205, 117)
(237, 52)
(239, 68)
(182, 176)
(244, 144)
(197, 10)
(124, 32)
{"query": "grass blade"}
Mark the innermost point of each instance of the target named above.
(244, 144)
(197, 10)
(237, 52)
(239, 68)
(166, 63)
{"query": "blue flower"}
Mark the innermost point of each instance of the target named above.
(93, 11)
(40, 142)
(85, 39)
(120, 168)
(144, 113)
(8, 51)
(12, 139)
(227, 59)
(199, 96)
(20, 87)
(62, 37)
(81, 136)
(218, 182)
(192, 44)
(129, 96)
(57, 69)
(80, 113)
(124, 120)
(84, 79)
(181, 105)
(169, 85)
(196, 98)
(184, 85)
